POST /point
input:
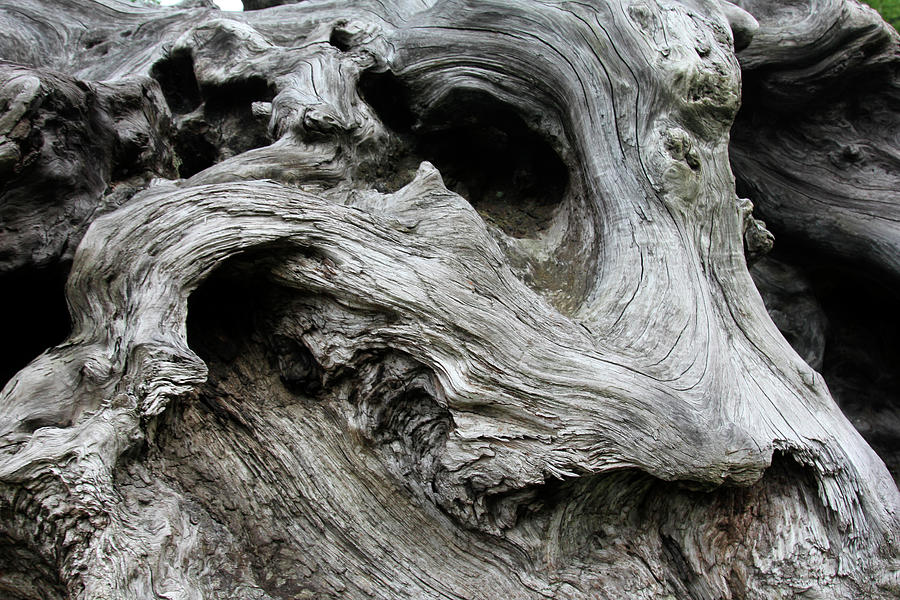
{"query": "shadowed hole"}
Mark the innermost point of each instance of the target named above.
(228, 110)
(36, 316)
(226, 125)
(862, 352)
(237, 95)
(483, 148)
(389, 98)
(860, 347)
(223, 311)
(489, 155)
(232, 315)
(195, 148)
(340, 39)
(175, 74)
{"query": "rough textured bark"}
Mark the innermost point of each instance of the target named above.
(444, 300)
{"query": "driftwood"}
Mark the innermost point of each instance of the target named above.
(420, 299)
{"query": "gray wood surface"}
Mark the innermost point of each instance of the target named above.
(414, 299)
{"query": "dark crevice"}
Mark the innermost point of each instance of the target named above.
(92, 42)
(20, 565)
(484, 149)
(195, 147)
(861, 339)
(862, 354)
(226, 125)
(223, 312)
(297, 367)
(389, 98)
(175, 74)
(36, 316)
(237, 95)
(488, 155)
(340, 39)
(228, 114)
(234, 313)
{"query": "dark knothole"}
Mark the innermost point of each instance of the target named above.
(483, 148)
(37, 317)
(297, 367)
(225, 126)
(862, 354)
(25, 574)
(229, 111)
(195, 146)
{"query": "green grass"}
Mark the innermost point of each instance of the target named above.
(889, 9)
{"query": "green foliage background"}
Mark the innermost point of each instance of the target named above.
(889, 9)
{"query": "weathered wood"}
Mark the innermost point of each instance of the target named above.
(818, 143)
(817, 148)
(450, 300)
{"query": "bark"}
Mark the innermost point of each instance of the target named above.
(445, 300)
